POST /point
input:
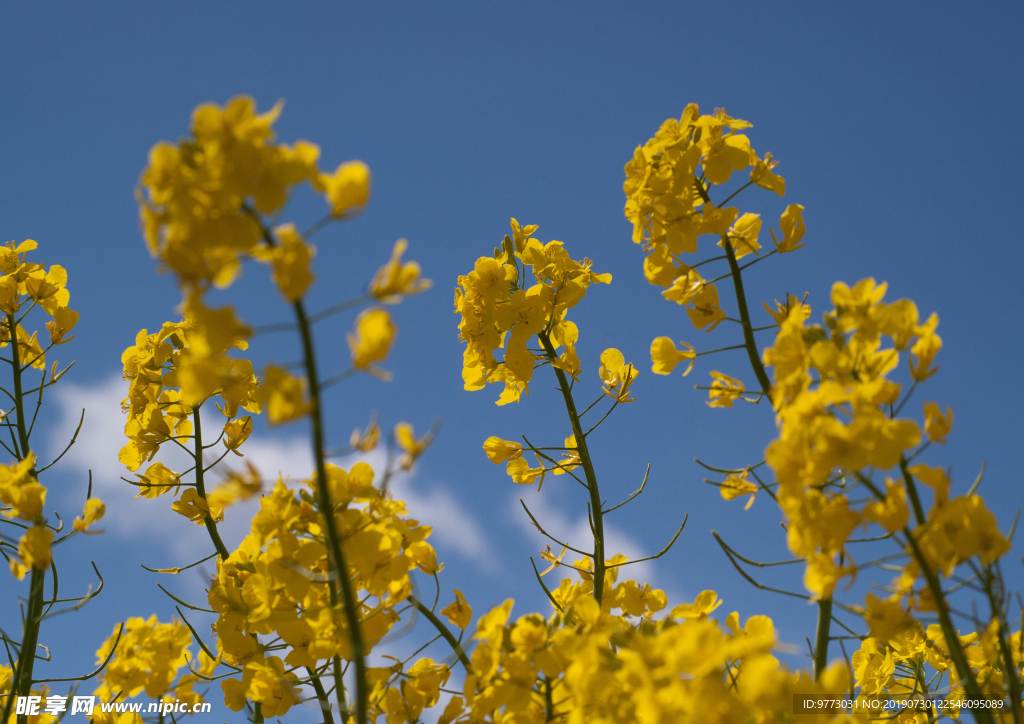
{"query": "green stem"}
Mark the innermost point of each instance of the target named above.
(19, 403)
(443, 630)
(821, 637)
(956, 651)
(922, 681)
(339, 690)
(334, 548)
(748, 328)
(211, 524)
(330, 525)
(915, 499)
(992, 579)
(21, 685)
(321, 696)
(588, 467)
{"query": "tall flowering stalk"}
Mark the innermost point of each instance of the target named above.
(27, 534)
(496, 301)
(309, 572)
(838, 417)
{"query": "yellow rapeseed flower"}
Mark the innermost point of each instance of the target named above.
(372, 339)
(395, 280)
(348, 188)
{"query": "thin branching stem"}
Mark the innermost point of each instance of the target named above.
(821, 637)
(184, 603)
(321, 695)
(74, 438)
(334, 548)
(340, 307)
(588, 468)
(547, 591)
(182, 568)
(748, 329)
(634, 494)
(729, 553)
(915, 500)
(660, 553)
(211, 524)
(949, 632)
(199, 640)
(330, 525)
(735, 193)
(993, 586)
(98, 669)
(546, 534)
(603, 418)
(21, 683)
(444, 631)
(591, 405)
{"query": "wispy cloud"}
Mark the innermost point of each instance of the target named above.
(576, 532)
(150, 521)
(145, 520)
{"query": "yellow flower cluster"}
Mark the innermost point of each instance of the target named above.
(197, 216)
(834, 403)
(837, 413)
(23, 497)
(27, 283)
(168, 382)
(326, 570)
(148, 657)
(206, 203)
(201, 209)
(276, 583)
(883, 665)
(25, 286)
(498, 310)
(396, 280)
(6, 676)
(615, 663)
(667, 202)
(419, 689)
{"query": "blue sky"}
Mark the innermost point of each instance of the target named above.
(896, 126)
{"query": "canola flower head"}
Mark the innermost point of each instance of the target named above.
(260, 588)
(410, 445)
(616, 375)
(665, 356)
(169, 377)
(368, 439)
(290, 258)
(499, 309)
(348, 188)
(148, 657)
(396, 280)
(25, 285)
(834, 406)
(724, 390)
(602, 668)
(372, 339)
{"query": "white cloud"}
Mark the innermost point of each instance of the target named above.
(576, 532)
(100, 440)
(145, 520)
